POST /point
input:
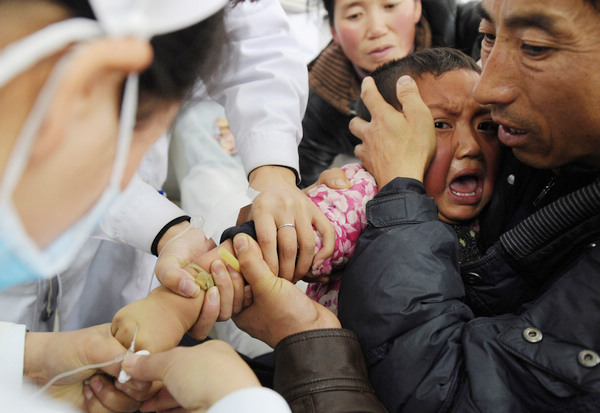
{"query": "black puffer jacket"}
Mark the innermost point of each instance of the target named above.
(527, 339)
(335, 87)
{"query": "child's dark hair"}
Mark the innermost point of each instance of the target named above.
(181, 58)
(436, 61)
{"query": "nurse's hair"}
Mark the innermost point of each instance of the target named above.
(181, 59)
(436, 61)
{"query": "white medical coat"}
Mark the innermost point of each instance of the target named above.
(267, 129)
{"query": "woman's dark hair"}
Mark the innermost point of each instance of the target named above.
(181, 58)
(329, 6)
(436, 61)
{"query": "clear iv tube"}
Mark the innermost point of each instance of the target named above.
(56, 378)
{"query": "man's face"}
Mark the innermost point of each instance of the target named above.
(372, 32)
(540, 75)
(462, 173)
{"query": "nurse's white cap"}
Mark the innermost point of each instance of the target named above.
(147, 18)
(141, 18)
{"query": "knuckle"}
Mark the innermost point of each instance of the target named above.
(224, 316)
(307, 245)
(288, 249)
(265, 241)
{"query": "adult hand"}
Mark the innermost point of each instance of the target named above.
(225, 299)
(177, 248)
(333, 178)
(194, 377)
(279, 308)
(395, 144)
(163, 317)
(50, 354)
(289, 251)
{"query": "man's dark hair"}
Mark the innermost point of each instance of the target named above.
(594, 3)
(181, 58)
(436, 61)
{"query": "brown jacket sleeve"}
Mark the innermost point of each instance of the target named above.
(324, 371)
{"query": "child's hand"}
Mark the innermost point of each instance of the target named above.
(163, 317)
(333, 178)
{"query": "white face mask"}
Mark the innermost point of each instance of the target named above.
(21, 260)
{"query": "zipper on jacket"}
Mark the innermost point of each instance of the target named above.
(50, 306)
(545, 191)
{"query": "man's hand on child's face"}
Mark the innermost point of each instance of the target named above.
(395, 143)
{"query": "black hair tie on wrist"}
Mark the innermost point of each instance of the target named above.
(154, 247)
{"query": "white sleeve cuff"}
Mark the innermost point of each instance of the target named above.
(12, 355)
(139, 215)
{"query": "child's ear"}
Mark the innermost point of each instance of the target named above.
(89, 90)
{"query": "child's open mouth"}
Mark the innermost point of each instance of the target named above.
(466, 188)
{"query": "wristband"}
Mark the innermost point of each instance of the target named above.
(154, 247)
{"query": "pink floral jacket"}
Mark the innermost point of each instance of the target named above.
(346, 209)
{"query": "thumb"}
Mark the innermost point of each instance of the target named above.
(146, 367)
(333, 178)
(409, 97)
(252, 265)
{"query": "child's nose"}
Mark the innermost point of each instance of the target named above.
(466, 143)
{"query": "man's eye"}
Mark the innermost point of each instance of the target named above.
(441, 125)
(534, 51)
(488, 39)
(488, 127)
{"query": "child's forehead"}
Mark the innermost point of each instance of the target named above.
(463, 76)
(451, 91)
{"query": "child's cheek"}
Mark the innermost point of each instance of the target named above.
(436, 177)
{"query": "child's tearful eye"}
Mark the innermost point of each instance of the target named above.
(441, 125)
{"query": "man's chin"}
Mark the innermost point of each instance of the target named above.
(534, 159)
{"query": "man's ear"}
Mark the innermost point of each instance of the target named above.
(88, 93)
